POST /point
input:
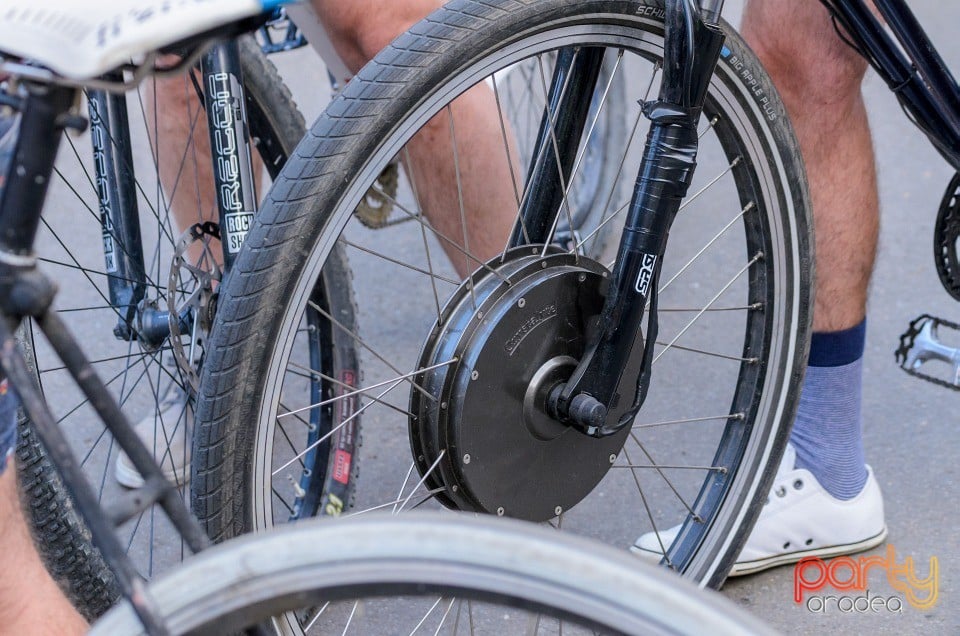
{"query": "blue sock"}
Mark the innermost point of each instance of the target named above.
(827, 432)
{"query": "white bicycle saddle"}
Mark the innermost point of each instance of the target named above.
(83, 39)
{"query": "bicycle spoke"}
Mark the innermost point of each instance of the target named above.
(308, 373)
(688, 420)
(643, 500)
(709, 304)
(360, 341)
(419, 270)
(747, 208)
(711, 354)
(336, 428)
(426, 616)
(680, 498)
(423, 236)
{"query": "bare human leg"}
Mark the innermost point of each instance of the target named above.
(818, 77)
(838, 507)
(824, 501)
(474, 169)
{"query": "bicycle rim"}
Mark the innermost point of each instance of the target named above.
(424, 574)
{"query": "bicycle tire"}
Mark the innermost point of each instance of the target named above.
(525, 568)
(721, 474)
(276, 126)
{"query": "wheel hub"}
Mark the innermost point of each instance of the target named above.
(479, 428)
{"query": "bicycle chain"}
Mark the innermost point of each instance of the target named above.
(907, 340)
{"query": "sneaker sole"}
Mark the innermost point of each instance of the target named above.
(752, 567)
(128, 476)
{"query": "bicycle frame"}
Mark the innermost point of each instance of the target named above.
(916, 73)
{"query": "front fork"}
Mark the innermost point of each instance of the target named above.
(141, 318)
(606, 389)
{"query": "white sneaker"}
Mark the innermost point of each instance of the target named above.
(164, 432)
(800, 519)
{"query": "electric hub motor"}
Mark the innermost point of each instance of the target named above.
(479, 427)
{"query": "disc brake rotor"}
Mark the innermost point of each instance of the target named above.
(479, 430)
(190, 300)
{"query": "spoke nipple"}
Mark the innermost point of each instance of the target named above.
(443, 406)
(558, 511)
(543, 264)
(500, 511)
(466, 458)
(522, 303)
(474, 375)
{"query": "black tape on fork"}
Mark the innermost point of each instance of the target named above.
(691, 51)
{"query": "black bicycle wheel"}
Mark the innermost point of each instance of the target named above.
(145, 378)
(437, 575)
(454, 365)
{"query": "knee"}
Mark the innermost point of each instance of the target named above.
(804, 55)
(359, 30)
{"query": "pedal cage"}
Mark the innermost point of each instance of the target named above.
(921, 343)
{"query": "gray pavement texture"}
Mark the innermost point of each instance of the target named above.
(908, 424)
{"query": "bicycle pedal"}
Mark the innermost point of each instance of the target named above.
(922, 343)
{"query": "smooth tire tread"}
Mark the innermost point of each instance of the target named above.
(521, 566)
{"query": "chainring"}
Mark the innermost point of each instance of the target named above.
(945, 235)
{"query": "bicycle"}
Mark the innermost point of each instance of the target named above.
(468, 380)
(473, 559)
(485, 406)
(122, 296)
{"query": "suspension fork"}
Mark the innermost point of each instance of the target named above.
(222, 86)
(610, 383)
(229, 138)
(117, 198)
